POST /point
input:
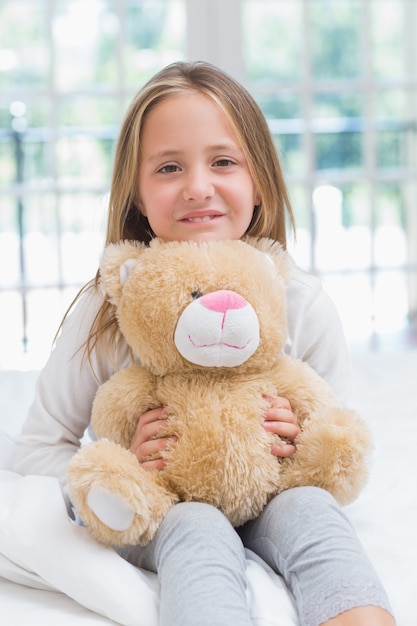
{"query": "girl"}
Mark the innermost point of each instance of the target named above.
(195, 161)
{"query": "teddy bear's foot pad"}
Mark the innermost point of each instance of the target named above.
(110, 508)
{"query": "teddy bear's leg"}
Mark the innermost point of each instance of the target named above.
(116, 498)
(332, 453)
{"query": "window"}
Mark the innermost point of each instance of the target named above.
(337, 80)
(67, 74)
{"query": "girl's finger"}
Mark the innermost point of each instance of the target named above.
(283, 450)
(153, 430)
(148, 425)
(150, 450)
(280, 415)
(156, 465)
(283, 429)
(279, 402)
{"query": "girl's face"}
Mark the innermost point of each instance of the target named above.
(194, 182)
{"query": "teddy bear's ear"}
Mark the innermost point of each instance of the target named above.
(125, 270)
(275, 253)
(116, 264)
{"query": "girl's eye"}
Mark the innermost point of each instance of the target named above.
(168, 169)
(224, 163)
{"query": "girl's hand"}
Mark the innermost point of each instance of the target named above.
(280, 420)
(148, 440)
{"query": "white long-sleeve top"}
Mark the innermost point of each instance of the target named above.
(60, 412)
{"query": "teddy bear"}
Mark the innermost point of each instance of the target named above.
(206, 325)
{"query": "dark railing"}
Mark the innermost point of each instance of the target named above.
(20, 133)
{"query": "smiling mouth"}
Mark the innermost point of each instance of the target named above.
(199, 220)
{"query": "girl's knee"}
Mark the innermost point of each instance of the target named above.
(200, 533)
(305, 498)
(300, 508)
(197, 516)
(196, 522)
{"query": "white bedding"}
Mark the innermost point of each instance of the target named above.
(52, 572)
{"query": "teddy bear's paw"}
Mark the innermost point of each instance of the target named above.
(110, 508)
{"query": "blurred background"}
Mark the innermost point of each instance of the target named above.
(337, 81)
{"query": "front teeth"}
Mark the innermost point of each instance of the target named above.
(207, 218)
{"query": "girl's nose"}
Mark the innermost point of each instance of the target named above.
(198, 185)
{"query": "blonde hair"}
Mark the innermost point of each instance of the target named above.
(125, 221)
(248, 122)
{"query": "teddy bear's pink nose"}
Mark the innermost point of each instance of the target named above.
(223, 300)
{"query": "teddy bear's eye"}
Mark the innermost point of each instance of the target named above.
(196, 294)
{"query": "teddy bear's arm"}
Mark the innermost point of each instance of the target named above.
(333, 447)
(120, 402)
(302, 386)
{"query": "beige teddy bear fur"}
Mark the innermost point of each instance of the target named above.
(207, 324)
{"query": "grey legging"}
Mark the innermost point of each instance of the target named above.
(302, 534)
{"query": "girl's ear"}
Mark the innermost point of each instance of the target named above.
(138, 203)
(141, 208)
(116, 264)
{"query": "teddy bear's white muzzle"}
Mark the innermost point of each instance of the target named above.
(220, 329)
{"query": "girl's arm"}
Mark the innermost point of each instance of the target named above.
(60, 411)
(315, 333)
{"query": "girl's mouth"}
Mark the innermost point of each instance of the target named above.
(201, 216)
(206, 218)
